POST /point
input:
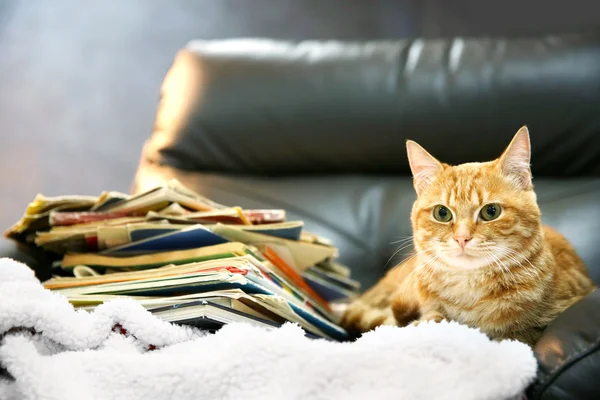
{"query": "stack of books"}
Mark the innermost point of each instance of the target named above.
(189, 260)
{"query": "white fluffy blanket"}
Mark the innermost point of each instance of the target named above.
(121, 351)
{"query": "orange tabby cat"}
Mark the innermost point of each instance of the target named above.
(482, 257)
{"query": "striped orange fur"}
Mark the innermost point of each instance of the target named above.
(483, 259)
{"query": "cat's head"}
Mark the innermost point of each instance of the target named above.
(474, 215)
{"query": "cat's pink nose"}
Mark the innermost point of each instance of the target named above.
(462, 240)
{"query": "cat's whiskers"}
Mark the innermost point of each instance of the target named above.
(491, 261)
(417, 253)
(500, 268)
(414, 253)
(402, 247)
(515, 256)
(505, 270)
(486, 247)
(403, 240)
(512, 255)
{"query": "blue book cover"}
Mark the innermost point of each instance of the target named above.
(147, 233)
(328, 291)
(291, 233)
(189, 238)
(333, 279)
(190, 288)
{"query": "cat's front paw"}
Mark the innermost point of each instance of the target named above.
(361, 317)
(435, 317)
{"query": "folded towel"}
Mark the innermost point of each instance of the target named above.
(51, 351)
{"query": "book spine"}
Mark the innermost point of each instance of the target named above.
(295, 277)
(66, 218)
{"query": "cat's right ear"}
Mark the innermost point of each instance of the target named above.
(423, 165)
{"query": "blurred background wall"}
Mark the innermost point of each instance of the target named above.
(79, 80)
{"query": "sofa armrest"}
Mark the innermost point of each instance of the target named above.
(568, 354)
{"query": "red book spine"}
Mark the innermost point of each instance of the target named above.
(72, 218)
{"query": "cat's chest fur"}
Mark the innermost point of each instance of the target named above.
(479, 298)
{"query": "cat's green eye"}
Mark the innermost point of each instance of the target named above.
(490, 212)
(442, 214)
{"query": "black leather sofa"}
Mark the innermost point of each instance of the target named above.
(319, 128)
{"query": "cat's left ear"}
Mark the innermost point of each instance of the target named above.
(515, 160)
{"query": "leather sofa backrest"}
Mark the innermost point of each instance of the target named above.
(272, 108)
